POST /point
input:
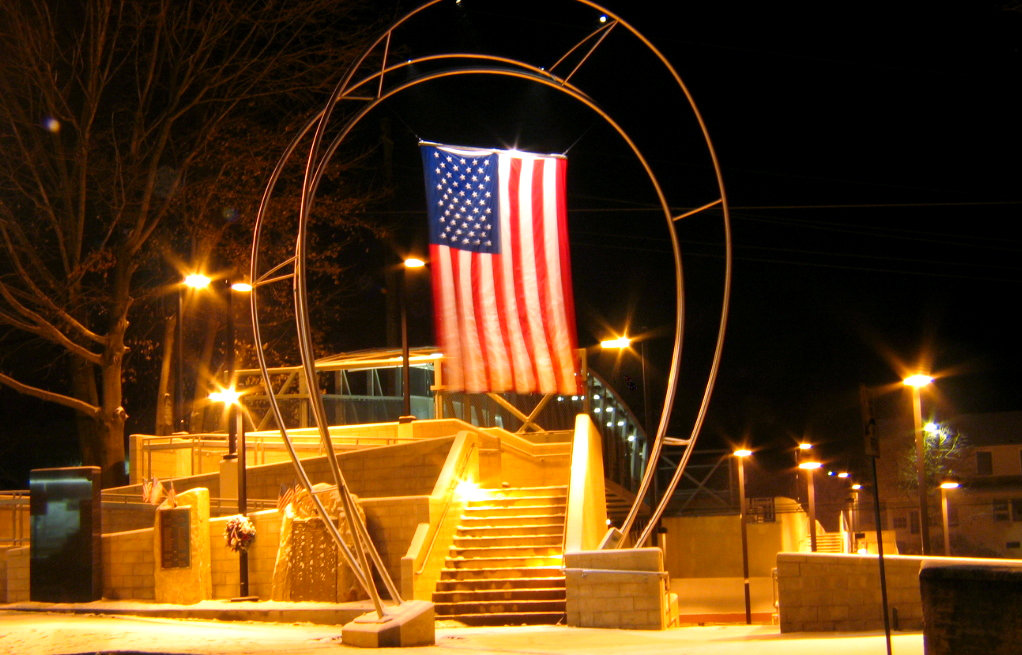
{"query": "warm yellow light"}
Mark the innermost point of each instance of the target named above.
(742, 452)
(229, 396)
(468, 491)
(918, 380)
(196, 281)
(414, 262)
(809, 466)
(856, 486)
(620, 342)
(843, 474)
(241, 287)
(949, 484)
(805, 446)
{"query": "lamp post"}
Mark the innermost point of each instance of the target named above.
(915, 383)
(740, 455)
(944, 487)
(809, 464)
(236, 425)
(621, 343)
(406, 371)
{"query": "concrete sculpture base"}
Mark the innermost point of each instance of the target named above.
(407, 624)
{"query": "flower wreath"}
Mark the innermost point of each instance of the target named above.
(239, 533)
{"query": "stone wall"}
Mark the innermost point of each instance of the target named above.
(225, 570)
(617, 589)
(408, 469)
(972, 607)
(129, 565)
(820, 592)
(14, 574)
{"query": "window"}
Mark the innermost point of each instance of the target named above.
(900, 523)
(1012, 544)
(1001, 512)
(984, 462)
(1016, 509)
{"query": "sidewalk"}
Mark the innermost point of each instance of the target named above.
(52, 633)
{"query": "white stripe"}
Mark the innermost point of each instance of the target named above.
(448, 323)
(521, 364)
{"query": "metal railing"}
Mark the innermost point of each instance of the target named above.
(15, 526)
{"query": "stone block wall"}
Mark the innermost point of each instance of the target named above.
(409, 469)
(14, 574)
(129, 565)
(392, 523)
(262, 555)
(820, 592)
(972, 608)
(617, 589)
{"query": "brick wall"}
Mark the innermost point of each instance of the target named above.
(825, 592)
(262, 555)
(14, 574)
(128, 565)
(617, 589)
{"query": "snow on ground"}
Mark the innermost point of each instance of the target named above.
(34, 633)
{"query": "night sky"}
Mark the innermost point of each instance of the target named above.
(871, 161)
(870, 157)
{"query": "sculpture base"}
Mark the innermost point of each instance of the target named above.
(408, 624)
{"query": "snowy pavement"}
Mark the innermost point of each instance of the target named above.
(39, 633)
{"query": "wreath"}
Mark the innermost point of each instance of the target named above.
(239, 533)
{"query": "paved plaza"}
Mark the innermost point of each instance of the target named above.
(52, 633)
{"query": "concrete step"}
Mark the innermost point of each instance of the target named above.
(517, 512)
(508, 618)
(483, 539)
(499, 583)
(522, 549)
(524, 501)
(518, 492)
(495, 595)
(502, 572)
(511, 561)
(498, 607)
(541, 526)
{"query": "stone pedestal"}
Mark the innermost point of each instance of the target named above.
(181, 546)
(971, 608)
(409, 624)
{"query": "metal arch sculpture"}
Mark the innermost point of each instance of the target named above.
(319, 155)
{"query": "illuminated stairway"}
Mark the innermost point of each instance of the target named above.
(505, 566)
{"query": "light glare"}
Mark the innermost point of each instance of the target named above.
(918, 380)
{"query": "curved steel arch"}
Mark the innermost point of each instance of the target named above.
(317, 160)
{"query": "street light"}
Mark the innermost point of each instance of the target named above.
(915, 383)
(622, 343)
(406, 373)
(740, 455)
(944, 487)
(809, 464)
(231, 398)
(192, 281)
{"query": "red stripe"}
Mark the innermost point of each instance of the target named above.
(514, 245)
(566, 287)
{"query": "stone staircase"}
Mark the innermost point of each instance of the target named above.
(505, 566)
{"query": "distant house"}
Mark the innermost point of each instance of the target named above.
(985, 512)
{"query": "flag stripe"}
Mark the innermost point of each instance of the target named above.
(502, 284)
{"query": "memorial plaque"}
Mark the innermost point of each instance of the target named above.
(175, 542)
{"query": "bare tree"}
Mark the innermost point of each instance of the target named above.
(105, 108)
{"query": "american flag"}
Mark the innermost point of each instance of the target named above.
(505, 317)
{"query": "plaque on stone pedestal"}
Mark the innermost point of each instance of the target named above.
(175, 543)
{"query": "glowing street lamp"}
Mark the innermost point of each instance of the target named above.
(915, 383)
(623, 343)
(740, 455)
(231, 399)
(944, 487)
(809, 464)
(406, 372)
(193, 281)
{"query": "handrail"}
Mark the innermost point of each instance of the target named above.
(452, 484)
(586, 512)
